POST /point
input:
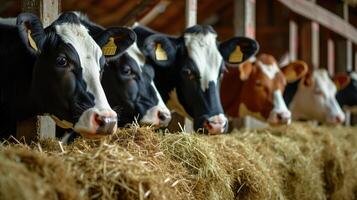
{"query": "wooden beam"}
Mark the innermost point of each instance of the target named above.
(153, 13)
(191, 13)
(39, 127)
(323, 17)
(244, 18)
(47, 10)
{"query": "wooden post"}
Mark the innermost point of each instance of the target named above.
(310, 43)
(47, 10)
(244, 18)
(331, 57)
(39, 126)
(191, 13)
(293, 40)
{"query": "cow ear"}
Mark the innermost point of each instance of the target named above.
(31, 31)
(307, 80)
(160, 50)
(245, 70)
(238, 49)
(341, 81)
(115, 41)
(294, 70)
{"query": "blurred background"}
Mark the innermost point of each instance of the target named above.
(321, 32)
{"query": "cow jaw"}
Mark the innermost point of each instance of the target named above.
(89, 55)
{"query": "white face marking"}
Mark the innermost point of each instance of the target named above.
(279, 108)
(136, 54)
(89, 54)
(269, 70)
(203, 50)
(150, 116)
(322, 104)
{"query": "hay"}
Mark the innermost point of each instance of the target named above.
(295, 162)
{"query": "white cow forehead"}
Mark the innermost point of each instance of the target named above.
(270, 70)
(136, 54)
(89, 55)
(324, 83)
(202, 49)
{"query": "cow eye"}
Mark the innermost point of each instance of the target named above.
(189, 74)
(126, 70)
(61, 61)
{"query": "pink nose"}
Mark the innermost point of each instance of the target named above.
(215, 125)
(106, 123)
(164, 118)
(280, 118)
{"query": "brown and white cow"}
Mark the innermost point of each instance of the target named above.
(255, 89)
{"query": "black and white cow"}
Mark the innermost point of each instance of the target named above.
(57, 71)
(129, 85)
(188, 70)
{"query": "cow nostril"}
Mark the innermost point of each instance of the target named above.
(161, 116)
(99, 120)
(279, 116)
(338, 119)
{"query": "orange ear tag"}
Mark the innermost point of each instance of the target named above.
(110, 48)
(31, 41)
(160, 53)
(236, 56)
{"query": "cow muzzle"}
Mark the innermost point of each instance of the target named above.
(97, 123)
(157, 116)
(280, 118)
(216, 124)
(335, 119)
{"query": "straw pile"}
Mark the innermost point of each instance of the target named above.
(295, 162)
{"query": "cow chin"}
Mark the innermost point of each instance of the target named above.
(95, 123)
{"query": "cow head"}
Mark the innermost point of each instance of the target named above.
(66, 74)
(315, 99)
(128, 81)
(346, 84)
(256, 89)
(129, 84)
(189, 69)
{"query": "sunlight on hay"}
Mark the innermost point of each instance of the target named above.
(295, 162)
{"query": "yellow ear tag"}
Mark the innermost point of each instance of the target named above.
(31, 41)
(110, 48)
(236, 56)
(62, 123)
(160, 53)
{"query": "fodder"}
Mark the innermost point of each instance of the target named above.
(295, 162)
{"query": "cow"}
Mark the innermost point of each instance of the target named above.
(129, 86)
(313, 98)
(56, 70)
(256, 89)
(188, 70)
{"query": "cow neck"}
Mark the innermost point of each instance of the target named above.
(231, 87)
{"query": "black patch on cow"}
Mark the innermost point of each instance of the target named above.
(290, 91)
(348, 95)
